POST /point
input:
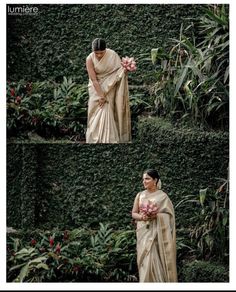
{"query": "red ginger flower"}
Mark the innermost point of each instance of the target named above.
(58, 248)
(65, 235)
(51, 241)
(12, 92)
(33, 241)
(18, 99)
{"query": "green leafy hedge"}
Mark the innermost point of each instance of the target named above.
(205, 271)
(73, 185)
(189, 159)
(55, 42)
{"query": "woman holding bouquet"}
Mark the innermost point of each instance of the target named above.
(108, 106)
(156, 239)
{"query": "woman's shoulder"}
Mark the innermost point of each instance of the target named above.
(164, 196)
(89, 57)
(141, 194)
(111, 52)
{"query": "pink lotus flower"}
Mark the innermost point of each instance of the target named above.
(149, 209)
(129, 63)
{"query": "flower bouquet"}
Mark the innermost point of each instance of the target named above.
(129, 63)
(149, 209)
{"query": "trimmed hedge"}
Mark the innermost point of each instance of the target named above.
(74, 185)
(205, 271)
(55, 42)
(188, 159)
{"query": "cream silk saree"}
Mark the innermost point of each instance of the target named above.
(111, 123)
(156, 245)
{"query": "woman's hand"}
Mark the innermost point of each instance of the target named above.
(101, 101)
(148, 218)
(145, 217)
(152, 217)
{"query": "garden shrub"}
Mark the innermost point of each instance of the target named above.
(205, 271)
(81, 185)
(55, 42)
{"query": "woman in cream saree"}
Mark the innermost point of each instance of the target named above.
(156, 242)
(109, 123)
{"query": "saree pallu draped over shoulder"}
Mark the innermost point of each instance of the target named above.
(110, 123)
(156, 245)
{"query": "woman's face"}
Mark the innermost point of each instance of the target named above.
(148, 181)
(99, 54)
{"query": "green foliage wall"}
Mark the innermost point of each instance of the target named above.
(73, 185)
(14, 177)
(189, 159)
(201, 271)
(55, 42)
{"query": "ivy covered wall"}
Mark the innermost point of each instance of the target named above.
(55, 42)
(72, 185)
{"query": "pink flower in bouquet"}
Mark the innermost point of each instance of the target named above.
(149, 209)
(129, 63)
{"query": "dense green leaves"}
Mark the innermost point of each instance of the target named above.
(192, 75)
(72, 255)
(205, 271)
(81, 184)
(47, 109)
(55, 42)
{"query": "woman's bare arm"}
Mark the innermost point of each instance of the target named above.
(135, 210)
(93, 78)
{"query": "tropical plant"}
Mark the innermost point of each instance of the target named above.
(76, 255)
(211, 221)
(192, 77)
(48, 109)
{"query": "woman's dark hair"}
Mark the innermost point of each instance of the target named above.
(153, 174)
(98, 45)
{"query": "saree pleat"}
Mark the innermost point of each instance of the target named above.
(156, 246)
(111, 123)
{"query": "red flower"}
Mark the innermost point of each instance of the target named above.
(51, 241)
(66, 235)
(18, 99)
(42, 249)
(33, 241)
(58, 248)
(76, 268)
(29, 87)
(34, 121)
(12, 91)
